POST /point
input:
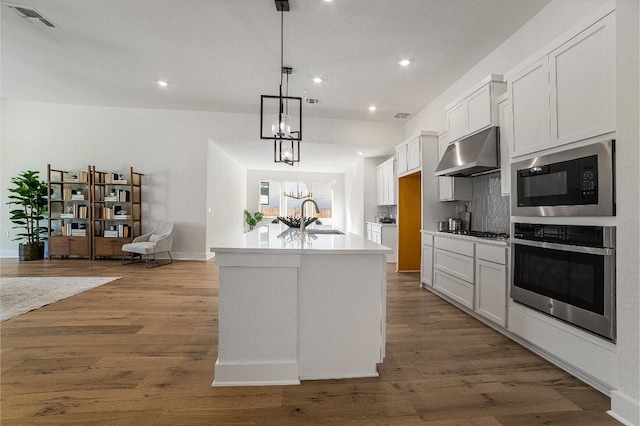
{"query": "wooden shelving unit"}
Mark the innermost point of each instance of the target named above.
(116, 212)
(93, 213)
(69, 212)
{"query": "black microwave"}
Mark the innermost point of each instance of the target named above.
(575, 182)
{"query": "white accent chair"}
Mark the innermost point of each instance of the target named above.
(159, 240)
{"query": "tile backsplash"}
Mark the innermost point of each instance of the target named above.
(489, 209)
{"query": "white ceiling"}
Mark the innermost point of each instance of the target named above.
(221, 55)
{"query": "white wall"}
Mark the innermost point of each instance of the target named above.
(226, 196)
(554, 20)
(354, 196)
(170, 147)
(626, 401)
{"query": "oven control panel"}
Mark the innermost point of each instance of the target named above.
(590, 236)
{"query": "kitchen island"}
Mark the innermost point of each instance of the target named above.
(296, 306)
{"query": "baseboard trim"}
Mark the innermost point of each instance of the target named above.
(624, 409)
(268, 374)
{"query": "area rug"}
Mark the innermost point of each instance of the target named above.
(19, 295)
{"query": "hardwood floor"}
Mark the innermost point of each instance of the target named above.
(141, 350)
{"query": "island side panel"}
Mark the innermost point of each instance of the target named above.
(341, 311)
(258, 327)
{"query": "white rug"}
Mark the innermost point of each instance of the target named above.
(23, 294)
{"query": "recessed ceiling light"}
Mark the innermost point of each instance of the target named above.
(359, 152)
(162, 83)
(404, 62)
(372, 108)
(317, 80)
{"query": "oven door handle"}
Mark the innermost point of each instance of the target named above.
(565, 247)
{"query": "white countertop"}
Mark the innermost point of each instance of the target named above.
(499, 242)
(383, 224)
(278, 238)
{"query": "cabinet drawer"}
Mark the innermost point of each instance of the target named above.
(427, 239)
(456, 246)
(457, 289)
(492, 253)
(454, 264)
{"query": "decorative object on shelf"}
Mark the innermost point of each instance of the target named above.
(30, 193)
(294, 221)
(281, 116)
(252, 221)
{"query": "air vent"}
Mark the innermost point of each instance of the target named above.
(312, 100)
(401, 115)
(32, 16)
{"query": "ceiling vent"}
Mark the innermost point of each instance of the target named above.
(401, 115)
(312, 101)
(32, 16)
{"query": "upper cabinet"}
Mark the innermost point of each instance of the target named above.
(583, 84)
(567, 95)
(409, 155)
(386, 183)
(476, 110)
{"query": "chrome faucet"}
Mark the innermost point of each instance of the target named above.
(302, 221)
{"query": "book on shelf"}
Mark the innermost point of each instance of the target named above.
(111, 234)
(124, 231)
(122, 216)
(110, 198)
(66, 215)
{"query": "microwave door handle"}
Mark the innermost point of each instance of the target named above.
(565, 247)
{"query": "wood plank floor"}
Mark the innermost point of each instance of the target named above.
(141, 351)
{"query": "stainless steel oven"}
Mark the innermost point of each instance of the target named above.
(568, 272)
(576, 182)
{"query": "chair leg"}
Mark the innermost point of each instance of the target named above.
(155, 262)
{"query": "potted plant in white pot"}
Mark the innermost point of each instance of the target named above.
(30, 193)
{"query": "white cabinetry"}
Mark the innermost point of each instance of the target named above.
(386, 183)
(583, 84)
(385, 234)
(426, 271)
(401, 157)
(453, 271)
(506, 139)
(409, 156)
(529, 94)
(451, 188)
(475, 111)
(491, 283)
(567, 95)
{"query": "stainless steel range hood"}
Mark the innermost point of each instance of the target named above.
(472, 155)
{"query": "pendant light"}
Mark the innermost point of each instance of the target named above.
(281, 116)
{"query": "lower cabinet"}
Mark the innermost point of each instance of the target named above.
(453, 272)
(471, 274)
(106, 246)
(426, 271)
(457, 289)
(385, 235)
(69, 246)
(491, 291)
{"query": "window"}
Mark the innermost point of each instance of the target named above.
(293, 205)
(323, 195)
(273, 202)
(270, 198)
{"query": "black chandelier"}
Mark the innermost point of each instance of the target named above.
(281, 116)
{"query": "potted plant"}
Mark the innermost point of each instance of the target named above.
(252, 221)
(30, 193)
